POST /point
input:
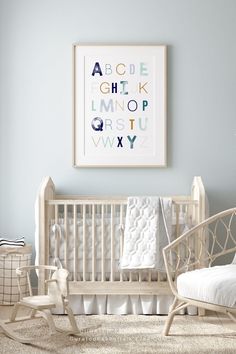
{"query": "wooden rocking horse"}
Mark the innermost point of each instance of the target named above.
(42, 305)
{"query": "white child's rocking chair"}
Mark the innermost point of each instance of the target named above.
(41, 305)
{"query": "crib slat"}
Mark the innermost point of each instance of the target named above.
(177, 220)
(103, 245)
(75, 278)
(93, 243)
(112, 243)
(56, 214)
(188, 221)
(121, 235)
(66, 236)
(177, 208)
(84, 242)
(57, 244)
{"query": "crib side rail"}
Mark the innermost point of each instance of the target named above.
(88, 221)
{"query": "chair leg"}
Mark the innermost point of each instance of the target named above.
(48, 317)
(173, 310)
(14, 312)
(73, 323)
(170, 317)
(71, 319)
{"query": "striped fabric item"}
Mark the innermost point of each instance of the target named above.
(18, 242)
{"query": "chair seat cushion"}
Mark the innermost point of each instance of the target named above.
(38, 301)
(216, 285)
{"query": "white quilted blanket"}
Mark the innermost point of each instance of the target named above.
(147, 230)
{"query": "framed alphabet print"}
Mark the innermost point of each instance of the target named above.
(119, 105)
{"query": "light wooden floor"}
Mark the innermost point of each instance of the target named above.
(211, 317)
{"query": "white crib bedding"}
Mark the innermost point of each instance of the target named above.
(88, 246)
(124, 304)
(69, 238)
(216, 285)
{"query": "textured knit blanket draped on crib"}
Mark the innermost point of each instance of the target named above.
(147, 230)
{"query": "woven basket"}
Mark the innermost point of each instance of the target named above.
(10, 259)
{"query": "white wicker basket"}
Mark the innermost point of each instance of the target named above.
(10, 259)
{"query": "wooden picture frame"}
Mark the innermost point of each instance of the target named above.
(119, 105)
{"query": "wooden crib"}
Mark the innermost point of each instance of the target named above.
(94, 269)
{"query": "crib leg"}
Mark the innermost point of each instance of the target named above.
(201, 312)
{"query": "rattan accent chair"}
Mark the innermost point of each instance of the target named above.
(201, 267)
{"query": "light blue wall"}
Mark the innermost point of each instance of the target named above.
(36, 40)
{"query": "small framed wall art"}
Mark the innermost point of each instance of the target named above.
(119, 105)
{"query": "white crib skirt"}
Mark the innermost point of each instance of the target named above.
(123, 304)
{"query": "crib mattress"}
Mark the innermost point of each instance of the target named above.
(216, 285)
